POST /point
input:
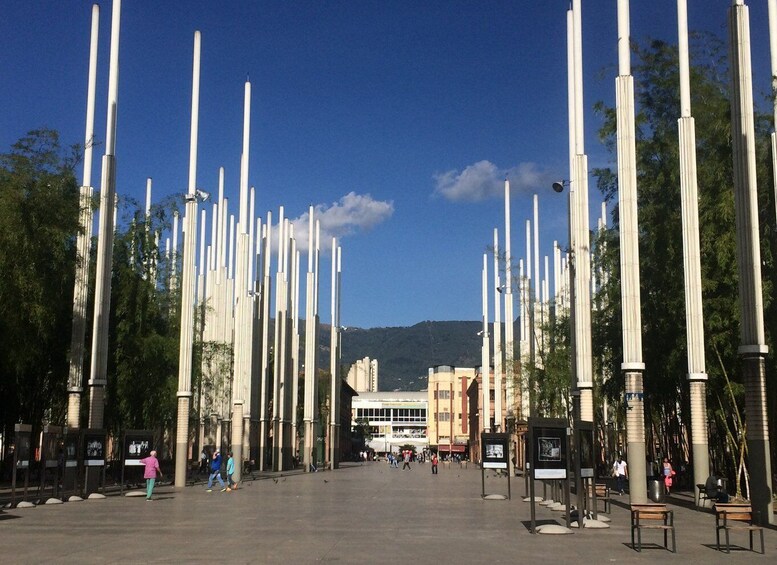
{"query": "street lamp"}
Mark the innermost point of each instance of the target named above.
(558, 186)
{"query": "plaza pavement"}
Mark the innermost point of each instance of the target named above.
(361, 513)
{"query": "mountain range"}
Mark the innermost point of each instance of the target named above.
(405, 354)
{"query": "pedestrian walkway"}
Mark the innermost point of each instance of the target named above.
(361, 513)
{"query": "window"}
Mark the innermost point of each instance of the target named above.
(444, 395)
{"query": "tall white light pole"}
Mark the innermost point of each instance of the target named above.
(509, 317)
(497, 338)
(187, 290)
(485, 365)
(265, 375)
(632, 366)
(753, 349)
(310, 415)
(83, 243)
(102, 292)
(334, 399)
(243, 301)
(582, 250)
(697, 372)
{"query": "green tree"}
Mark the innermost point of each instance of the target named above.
(660, 246)
(144, 332)
(38, 225)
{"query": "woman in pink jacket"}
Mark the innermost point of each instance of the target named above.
(152, 469)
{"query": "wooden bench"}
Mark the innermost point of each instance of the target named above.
(732, 516)
(603, 494)
(652, 517)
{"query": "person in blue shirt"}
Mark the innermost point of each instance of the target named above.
(215, 472)
(231, 485)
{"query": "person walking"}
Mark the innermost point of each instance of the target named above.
(203, 463)
(215, 472)
(231, 485)
(434, 464)
(406, 460)
(150, 473)
(621, 472)
(668, 472)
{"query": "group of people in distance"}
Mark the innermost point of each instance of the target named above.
(713, 486)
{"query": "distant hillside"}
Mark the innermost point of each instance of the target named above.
(405, 354)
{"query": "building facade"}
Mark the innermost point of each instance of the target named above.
(363, 375)
(395, 419)
(476, 412)
(449, 419)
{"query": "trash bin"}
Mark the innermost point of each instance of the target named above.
(655, 490)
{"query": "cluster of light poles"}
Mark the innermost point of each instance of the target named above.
(252, 392)
(753, 348)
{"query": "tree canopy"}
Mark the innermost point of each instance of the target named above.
(661, 248)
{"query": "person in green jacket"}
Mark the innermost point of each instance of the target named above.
(231, 485)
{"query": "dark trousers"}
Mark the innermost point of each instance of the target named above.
(434, 469)
(405, 464)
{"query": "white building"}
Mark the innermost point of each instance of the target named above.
(363, 375)
(395, 419)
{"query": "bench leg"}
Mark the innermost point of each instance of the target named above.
(728, 543)
(717, 537)
(639, 539)
(674, 544)
(763, 551)
(632, 538)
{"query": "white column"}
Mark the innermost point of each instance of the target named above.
(753, 348)
(485, 354)
(187, 290)
(509, 313)
(310, 415)
(632, 366)
(102, 300)
(83, 244)
(497, 337)
(697, 373)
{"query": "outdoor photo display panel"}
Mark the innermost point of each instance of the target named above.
(585, 439)
(137, 445)
(549, 451)
(94, 448)
(51, 447)
(495, 451)
(22, 438)
(71, 450)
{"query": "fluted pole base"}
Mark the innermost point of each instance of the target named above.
(237, 440)
(309, 452)
(74, 409)
(635, 437)
(758, 450)
(699, 443)
(264, 448)
(182, 441)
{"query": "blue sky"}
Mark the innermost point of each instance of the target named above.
(398, 120)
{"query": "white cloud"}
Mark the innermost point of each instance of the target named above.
(351, 214)
(484, 180)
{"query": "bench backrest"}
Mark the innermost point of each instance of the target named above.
(649, 511)
(601, 490)
(741, 512)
